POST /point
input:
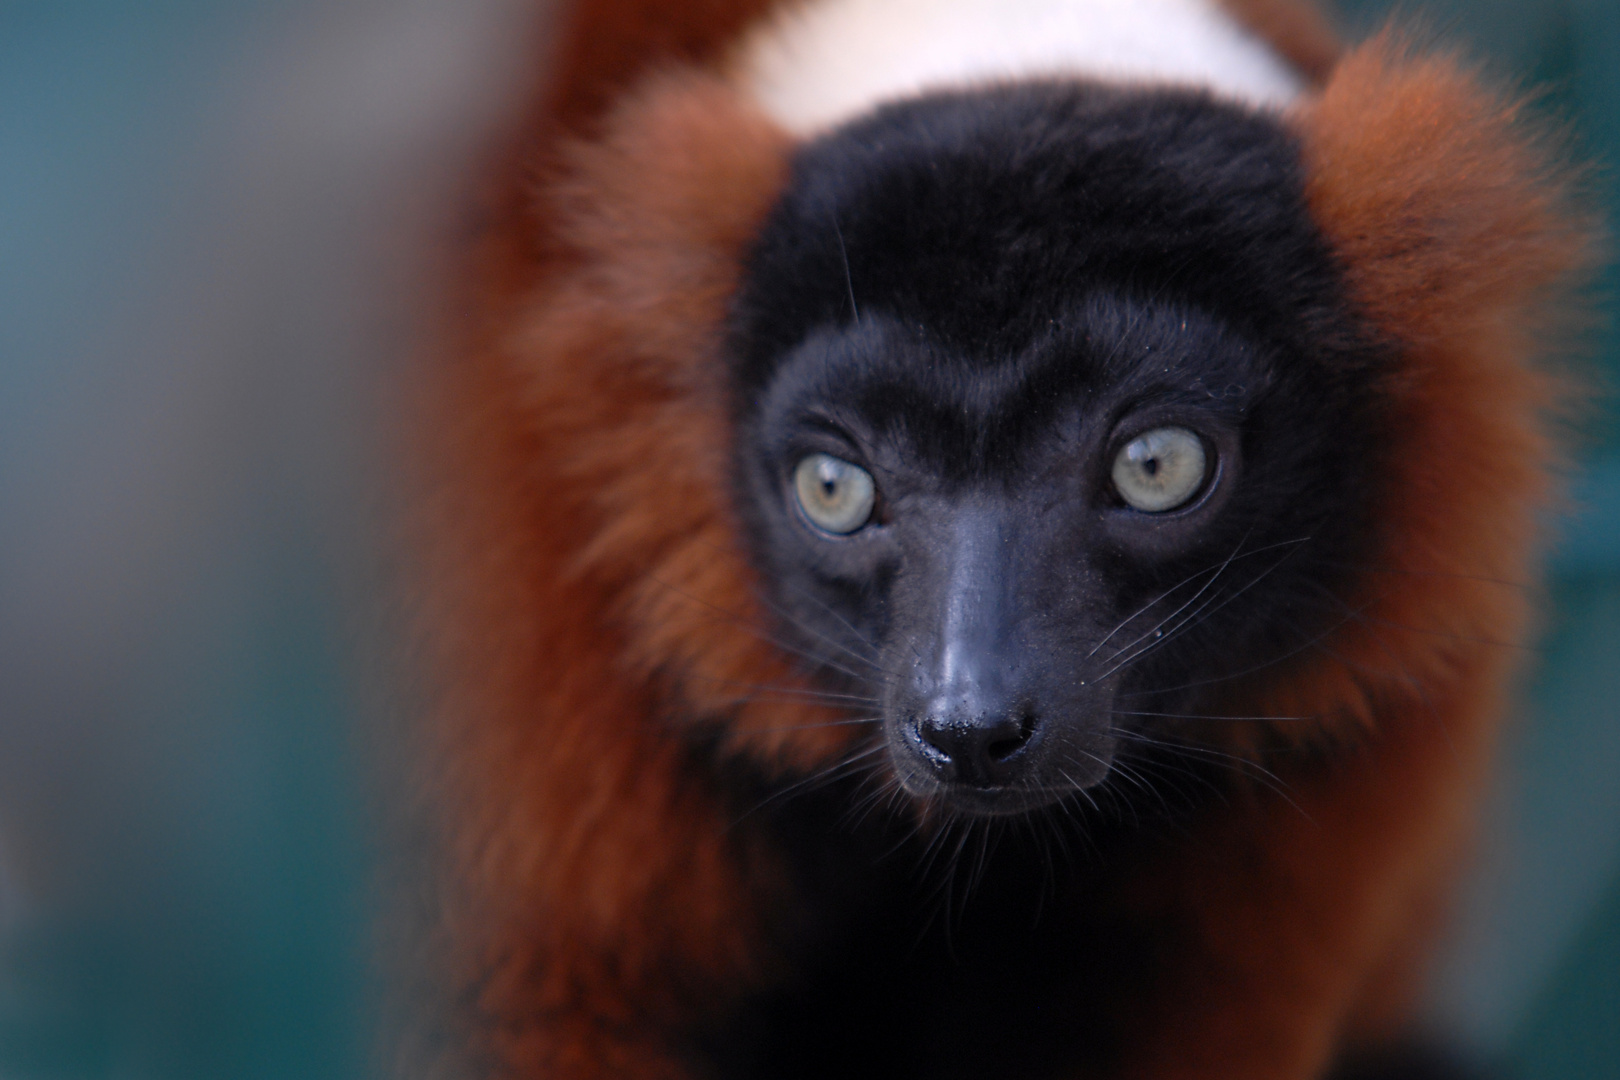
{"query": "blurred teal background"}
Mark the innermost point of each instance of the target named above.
(214, 217)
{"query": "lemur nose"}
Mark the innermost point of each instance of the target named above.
(981, 751)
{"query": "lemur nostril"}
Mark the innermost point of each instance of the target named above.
(980, 750)
(935, 740)
(1002, 749)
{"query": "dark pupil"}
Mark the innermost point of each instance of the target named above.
(828, 487)
(1151, 466)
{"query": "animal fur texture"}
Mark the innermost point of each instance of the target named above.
(663, 853)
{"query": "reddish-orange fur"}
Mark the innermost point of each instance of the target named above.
(588, 585)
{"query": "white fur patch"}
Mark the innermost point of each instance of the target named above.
(826, 61)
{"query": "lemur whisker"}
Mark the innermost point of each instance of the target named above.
(1202, 614)
(1144, 609)
(810, 693)
(1180, 772)
(1246, 766)
(800, 590)
(1125, 772)
(1219, 570)
(1184, 582)
(849, 277)
(762, 634)
(820, 778)
(1210, 716)
(791, 620)
(859, 637)
(857, 721)
(800, 625)
(1197, 616)
(1279, 659)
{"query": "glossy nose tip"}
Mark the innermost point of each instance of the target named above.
(981, 751)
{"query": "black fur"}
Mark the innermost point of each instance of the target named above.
(979, 297)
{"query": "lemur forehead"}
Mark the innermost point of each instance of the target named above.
(823, 62)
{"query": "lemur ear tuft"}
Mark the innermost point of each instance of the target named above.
(1450, 206)
(1463, 241)
(684, 163)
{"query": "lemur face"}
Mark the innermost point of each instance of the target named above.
(1052, 422)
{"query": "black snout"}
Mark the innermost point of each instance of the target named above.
(990, 718)
(971, 714)
(981, 751)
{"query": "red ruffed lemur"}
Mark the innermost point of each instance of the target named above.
(980, 538)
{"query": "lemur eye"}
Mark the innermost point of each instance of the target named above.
(835, 495)
(1160, 470)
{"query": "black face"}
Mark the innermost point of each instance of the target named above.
(1051, 423)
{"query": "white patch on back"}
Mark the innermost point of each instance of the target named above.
(827, 61)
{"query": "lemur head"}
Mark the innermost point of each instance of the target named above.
(1052, 421)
